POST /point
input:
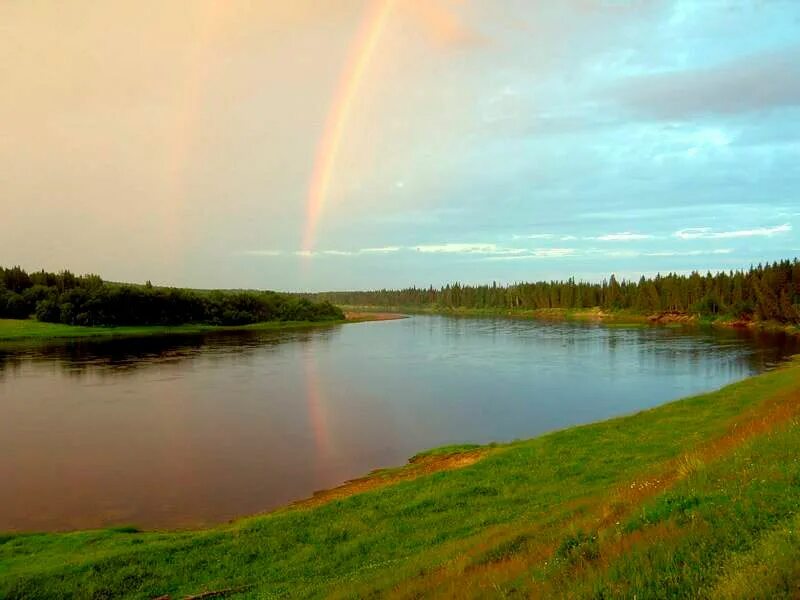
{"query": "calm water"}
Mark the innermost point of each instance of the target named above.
(174, 433)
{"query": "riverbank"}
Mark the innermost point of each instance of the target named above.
(33, 330)
(363, 316)
(621, 317)
(692, 498)
(618, 318)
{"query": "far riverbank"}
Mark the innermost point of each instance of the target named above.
(618, 318)
(12, 330)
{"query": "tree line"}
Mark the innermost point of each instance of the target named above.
(764, 292)
(88, 300)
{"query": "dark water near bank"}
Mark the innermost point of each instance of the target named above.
(192, 430)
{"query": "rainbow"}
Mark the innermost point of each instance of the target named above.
(352, 76)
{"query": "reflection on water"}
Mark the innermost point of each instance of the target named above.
(174, 432)
(317, 418)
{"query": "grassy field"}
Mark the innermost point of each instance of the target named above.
(699, 497)
(30, 329)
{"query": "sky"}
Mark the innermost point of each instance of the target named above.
(359, 144)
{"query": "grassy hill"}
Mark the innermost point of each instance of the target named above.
(699, 497)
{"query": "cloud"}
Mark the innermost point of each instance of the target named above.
(552, 252)
(382, 250)
(625, 236)
(261, 253)
(466, 249)
(534, 236)
(310, 253)
(689, 253)
(538, 253)
(655, 254)
(494, 252)
(752, 83)
(706, 233)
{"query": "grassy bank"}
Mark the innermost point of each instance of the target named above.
(699, 497)
(31, 329)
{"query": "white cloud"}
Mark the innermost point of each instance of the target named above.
(456, 248)
(383, 250)
(538, 253)
(654, 254)
(553, 252)
(495, 252)
(466, 249)
(706, 233)
(625, 236)
(690, 253)
(534, 236)
(262, 252)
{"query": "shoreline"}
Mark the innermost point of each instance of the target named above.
(369, 316)
(597, 315)
(30, 330)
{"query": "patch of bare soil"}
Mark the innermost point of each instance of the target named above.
(671, 316)
(373, 316)
(424, 465)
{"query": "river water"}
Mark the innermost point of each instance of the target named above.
(186, 431)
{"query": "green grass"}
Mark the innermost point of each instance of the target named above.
(30, 329)
(446, 450)
(699, 497)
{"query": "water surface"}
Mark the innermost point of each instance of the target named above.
(185, 431)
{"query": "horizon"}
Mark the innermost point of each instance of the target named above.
(374, 144)
(620, 277)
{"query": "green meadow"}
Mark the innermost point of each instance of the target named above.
(696, 498)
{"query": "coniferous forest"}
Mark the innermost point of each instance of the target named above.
(88, 300)
(768, 292)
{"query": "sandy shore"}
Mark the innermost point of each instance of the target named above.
(373, 316)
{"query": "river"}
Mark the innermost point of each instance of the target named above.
(187, 431)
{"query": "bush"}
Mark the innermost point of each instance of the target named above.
(48, 310)
(87, 300)
(13, 305)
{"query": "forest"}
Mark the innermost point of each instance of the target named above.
(88, 300)
(768, 292)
